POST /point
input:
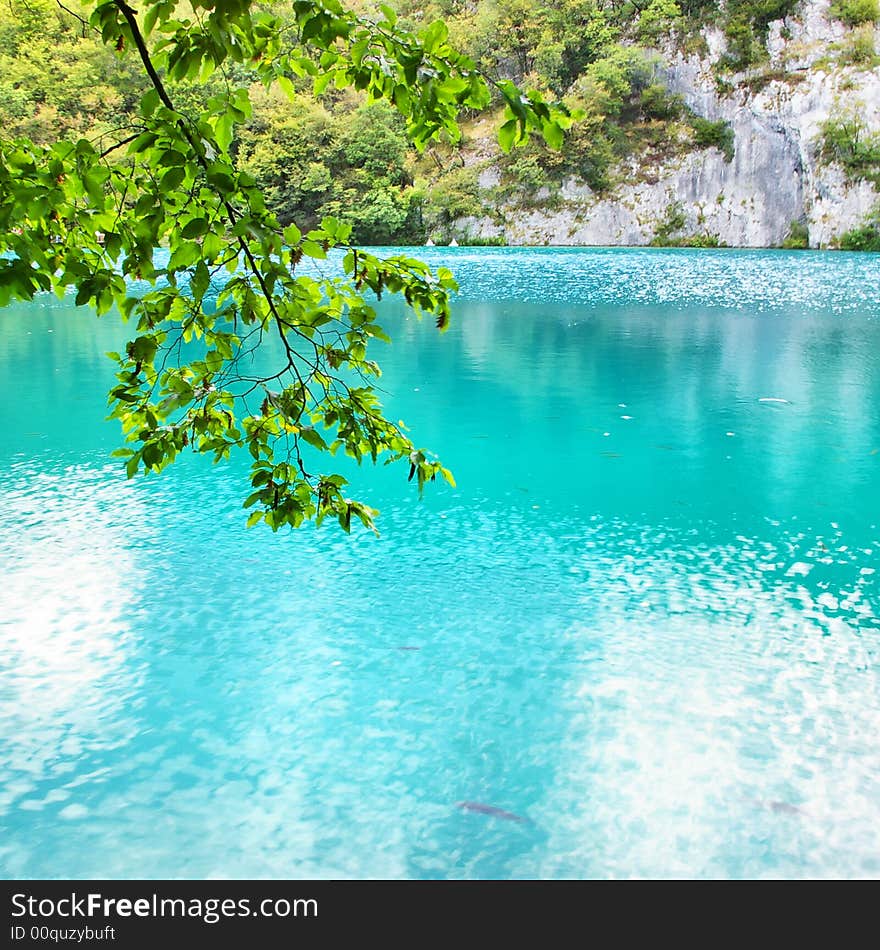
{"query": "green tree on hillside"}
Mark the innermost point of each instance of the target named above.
(349, 163)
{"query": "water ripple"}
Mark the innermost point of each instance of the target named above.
(656, 639)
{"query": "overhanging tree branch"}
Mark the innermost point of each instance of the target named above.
(69, 218)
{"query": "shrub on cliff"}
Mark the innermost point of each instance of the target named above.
(658, 19)
(846, 141)
(718, 134)
(854, 12)
(866, 237)
(798, 237)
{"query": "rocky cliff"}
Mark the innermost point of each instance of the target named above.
(776, 177)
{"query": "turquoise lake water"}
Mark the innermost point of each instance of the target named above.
(646, 621)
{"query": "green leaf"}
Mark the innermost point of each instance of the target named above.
(195, 228)
(313, 249)
(172, 179)
(313, 438)
(287, 87)
(435, 35)
(149, 102)
(223, 131)
(143, 142)
(214, 361)
(200, 281)
(553, 134)
(321, 82)
(508, 134)
(143, 349)
(172, 156)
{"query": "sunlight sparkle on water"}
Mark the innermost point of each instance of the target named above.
(645, 622)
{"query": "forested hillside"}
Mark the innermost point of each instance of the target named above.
(339, 154)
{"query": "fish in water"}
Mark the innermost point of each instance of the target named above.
(784, 808)
(490, 810)
(409, 649)
(777, 807)
(777, 399)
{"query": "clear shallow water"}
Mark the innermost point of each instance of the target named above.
(659, 645)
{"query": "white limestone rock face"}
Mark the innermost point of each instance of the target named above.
(776, 176)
